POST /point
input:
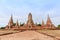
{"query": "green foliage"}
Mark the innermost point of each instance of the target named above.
(14, 24)
(2, 28)
(58, 26)
(21, 24)
(38, 24)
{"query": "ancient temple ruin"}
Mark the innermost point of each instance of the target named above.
(30, 25)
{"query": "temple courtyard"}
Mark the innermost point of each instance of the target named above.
(30, 35)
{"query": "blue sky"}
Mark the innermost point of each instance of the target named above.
(20, 9)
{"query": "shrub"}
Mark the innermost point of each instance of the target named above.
(22, 24)
(38, 24)
(58, 26)
(2, 28)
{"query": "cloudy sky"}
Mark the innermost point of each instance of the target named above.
(20, 9)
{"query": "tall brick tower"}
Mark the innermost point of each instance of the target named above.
(49, 23)
(30, 22)
(17, 25)
(42, 24)
(10, 23)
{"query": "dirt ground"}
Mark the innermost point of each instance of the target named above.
(7, 31)
(26, 35)
(55, 33)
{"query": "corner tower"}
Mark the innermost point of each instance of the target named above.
(10, 23)
(17, 25)
(49, 23)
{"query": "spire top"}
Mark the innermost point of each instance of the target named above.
(30, 14)
(42, 22)
(11, 19)
(49, 20)
(17, 24)
(48, 16)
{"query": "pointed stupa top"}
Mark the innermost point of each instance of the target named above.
(36, 23)
(30, 17)
(17, 24)
(43, 23)
(30, 20)
(30, 14)
(48, 20)
(11, 20)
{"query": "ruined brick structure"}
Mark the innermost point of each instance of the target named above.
(30, 24)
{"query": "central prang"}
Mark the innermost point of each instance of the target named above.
(30, 22)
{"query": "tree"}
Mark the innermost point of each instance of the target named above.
(14, 24)
(2, 28)
(58, 26)
(38, 24)
(21, 24)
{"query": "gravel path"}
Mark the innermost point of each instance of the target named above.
(26, 35)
